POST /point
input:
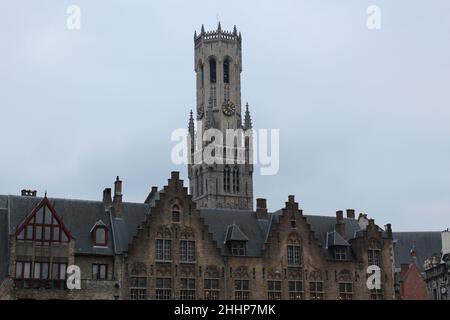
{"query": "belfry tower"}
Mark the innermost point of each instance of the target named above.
(218, 67)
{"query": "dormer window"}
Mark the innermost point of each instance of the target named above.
(238, 248)
(44, 225)
(236, 240)
(340, 253)
(100, 234)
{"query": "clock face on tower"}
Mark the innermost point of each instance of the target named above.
(228, 108)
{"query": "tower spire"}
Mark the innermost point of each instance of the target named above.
(247, 118)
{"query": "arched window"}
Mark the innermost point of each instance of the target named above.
(226, 179)
(212, 70)
(202, 75)
(236, 180)
(175, 213)
(100, 236)
(226, 71)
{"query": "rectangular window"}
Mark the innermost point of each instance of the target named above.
(26, 270)
(163, 288)
(29, 235)
(294, 255)
(38, 231)
(316, 290)
(340, 253)
(376, 294)
(187, 251)
(99, 271)
(211, 287)
(19, 270)
(238, 248)
(187, 289)
(138, 288)
(59, 271)
(274, 290)
(47, 234)
(163, 250)
(242, 290)
(295, 290)
(345, 291)
(45, 269)
(373, 257)
(37, 270)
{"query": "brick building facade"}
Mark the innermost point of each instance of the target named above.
(208, 243)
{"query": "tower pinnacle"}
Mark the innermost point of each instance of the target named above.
(191, 123)
(247, 118)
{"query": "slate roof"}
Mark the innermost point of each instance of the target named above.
(426, 244)
(218, 221)
(335, 239)
(235, 234)
(322, 225)
(80, 216)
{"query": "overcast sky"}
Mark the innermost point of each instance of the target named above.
(364, 115)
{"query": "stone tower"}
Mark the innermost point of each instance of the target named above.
(227, 183)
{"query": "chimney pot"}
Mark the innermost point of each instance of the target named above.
(389, 229)
(291, 198)
(28, 193)
(339, 216)
(118, 198)
(350, 213)
(107, 199)
(340, 224)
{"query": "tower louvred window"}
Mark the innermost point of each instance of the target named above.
(226, 71)
(212, 70)
(43, 224)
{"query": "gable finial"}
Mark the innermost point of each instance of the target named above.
(203, 29)
(45, 194)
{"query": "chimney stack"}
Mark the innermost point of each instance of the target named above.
(118, 198)
(107, 199)
(389, 230)
(261, 209)
(28, 193)
(340, 224)
(351, 213)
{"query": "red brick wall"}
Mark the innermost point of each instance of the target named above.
(413, 286)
